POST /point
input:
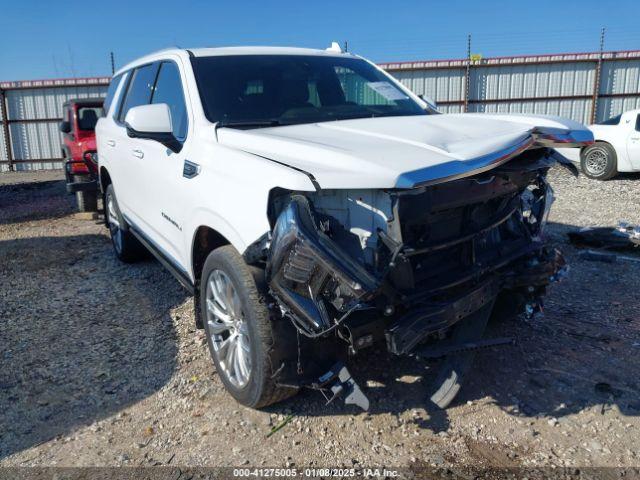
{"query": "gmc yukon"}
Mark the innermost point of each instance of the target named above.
(315, 206)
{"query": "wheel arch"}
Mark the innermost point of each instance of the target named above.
(205, 240)
(105, 179)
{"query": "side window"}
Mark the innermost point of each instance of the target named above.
(111, 91)
(169, 90)
(139, 90)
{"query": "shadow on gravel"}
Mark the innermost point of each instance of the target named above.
(82, 336)
(584, 353)
(34, 201)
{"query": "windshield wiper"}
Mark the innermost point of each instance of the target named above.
(248, 123)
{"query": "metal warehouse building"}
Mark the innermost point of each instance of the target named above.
(30, 112)
(586, 87)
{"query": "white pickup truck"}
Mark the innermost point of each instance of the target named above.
(616, 148)
(316, 207)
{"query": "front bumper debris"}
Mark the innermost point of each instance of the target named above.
(339, 382)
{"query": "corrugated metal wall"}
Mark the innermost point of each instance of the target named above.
(34, 110)
(563, 85)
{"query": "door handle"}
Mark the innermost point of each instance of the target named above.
(138, 153)
(111, 143)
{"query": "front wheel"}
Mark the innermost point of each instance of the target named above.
(599, 161)
(238, 328)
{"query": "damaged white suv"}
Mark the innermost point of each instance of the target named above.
(315, 207)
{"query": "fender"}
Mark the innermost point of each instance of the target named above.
(204, 217)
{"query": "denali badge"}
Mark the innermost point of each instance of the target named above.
(171, 221)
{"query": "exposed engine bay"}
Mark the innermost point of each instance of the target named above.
(350, 268)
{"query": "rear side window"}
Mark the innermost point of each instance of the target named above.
(612, 121)
(169, 90)
(111, 91)
(140, 89)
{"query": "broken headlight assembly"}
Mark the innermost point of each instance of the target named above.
(317, 283)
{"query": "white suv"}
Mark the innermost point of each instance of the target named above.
(315, 207)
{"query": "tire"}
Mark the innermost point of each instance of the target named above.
(599, 161)
(241, 324)
(126, 247)
(87, 201)
(455, 366)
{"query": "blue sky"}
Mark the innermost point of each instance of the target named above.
(62, 39)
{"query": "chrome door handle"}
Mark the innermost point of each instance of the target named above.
(111, 143)
(138, 153)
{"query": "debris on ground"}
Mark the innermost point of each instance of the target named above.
(622, 237)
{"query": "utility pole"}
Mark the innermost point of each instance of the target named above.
(113, 64)
(596, 81)
(346, 46)
(467, 75)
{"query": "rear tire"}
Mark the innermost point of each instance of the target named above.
(239, 331)
(599, 161)
(455, 366)
(126, 247)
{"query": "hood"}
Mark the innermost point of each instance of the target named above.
(403, 152)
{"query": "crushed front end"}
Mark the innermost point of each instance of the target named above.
(403, 266)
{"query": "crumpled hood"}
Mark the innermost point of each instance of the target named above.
(402, 152)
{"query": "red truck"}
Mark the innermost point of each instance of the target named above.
(79, 150)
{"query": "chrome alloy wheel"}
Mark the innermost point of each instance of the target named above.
(596, 161)
(228, 329)
(114, 224)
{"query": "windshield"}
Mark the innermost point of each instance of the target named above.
(264, 90)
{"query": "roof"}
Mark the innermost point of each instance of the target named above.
(209, 52)
(217, 51)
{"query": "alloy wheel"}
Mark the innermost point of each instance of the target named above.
(596, 161)
(227, 329)
(114, 224)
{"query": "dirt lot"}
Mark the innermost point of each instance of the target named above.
(101, 364)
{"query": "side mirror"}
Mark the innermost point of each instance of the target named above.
(65, 127)
(152, 122)
(430, 104)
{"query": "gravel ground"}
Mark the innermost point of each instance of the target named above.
(102, 364)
